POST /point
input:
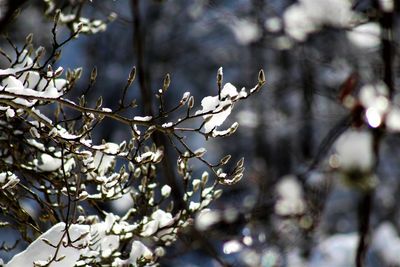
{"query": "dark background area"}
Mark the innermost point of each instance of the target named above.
(281, 129)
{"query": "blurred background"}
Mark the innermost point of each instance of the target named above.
(308, 49)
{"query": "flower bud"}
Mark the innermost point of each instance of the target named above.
(261, 77)
(29, 38)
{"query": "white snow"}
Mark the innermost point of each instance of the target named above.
(62, 132)
(48, 163)
(36, 144)
(185, 97)
(92, 239)
(10, 112)
(167, 124)
(8, 180)
(194, 206)
(216, 110)
(139, 250)
(106, 242)
(229, 90)
(38, 250)
(111, 148)
(34, 86)
(145, 118)
(102, 162)
(9, 71)
(159, 219)
(25, 60)
(209, 103)
(217, 119)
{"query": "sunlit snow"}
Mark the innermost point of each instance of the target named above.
(39, 250)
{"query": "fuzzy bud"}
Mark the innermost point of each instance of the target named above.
(220, 76)
(261, 77)
(40, 52)
(29, 38)
(93, 75)
(166, 82)
(57, 16)
(191, 102)
(225, 159)
(132, 76)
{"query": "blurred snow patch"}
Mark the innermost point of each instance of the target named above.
(123, 203)
(374, 99)
(294, 259)
(206, 218)
(270, 257)
(246, 31)
(355, 152)
(365, 36)
(387, 5)
(290, 196)
(338, 71)
(335, 251)
(232, 246)
(393, 119)
(387, 243)
(297, 23)
(273, 24)
(308, 16)
(247, 118)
